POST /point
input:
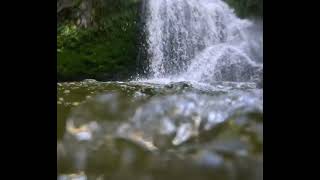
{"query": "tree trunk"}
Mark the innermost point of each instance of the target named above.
(85, 14)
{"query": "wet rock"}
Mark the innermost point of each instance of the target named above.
(79, 176)
(187, 135)
(75, 103)
(90, 81)
(209, 159)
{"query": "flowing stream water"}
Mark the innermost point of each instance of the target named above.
(197, 115)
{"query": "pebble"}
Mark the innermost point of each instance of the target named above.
(90, 81)
(75, 104)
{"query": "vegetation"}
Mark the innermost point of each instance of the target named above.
(100, 44)
(98, 38)
(247, 8)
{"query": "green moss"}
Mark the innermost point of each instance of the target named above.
(104, 52)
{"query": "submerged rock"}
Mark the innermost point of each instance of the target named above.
(188, 134)
(90, 81)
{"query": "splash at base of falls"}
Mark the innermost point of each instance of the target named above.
(198, 115)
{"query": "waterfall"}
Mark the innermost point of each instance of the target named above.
(201, 40)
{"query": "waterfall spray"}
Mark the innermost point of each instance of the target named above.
(201, 40)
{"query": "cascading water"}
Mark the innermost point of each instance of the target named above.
(201, 40)
(197, 116)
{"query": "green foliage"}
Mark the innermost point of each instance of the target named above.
(106, 51)
(245, 8)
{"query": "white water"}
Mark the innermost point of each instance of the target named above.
(199, 41)
(202, 41)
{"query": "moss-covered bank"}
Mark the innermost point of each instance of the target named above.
(103, 49)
